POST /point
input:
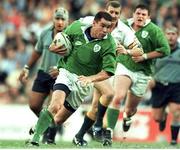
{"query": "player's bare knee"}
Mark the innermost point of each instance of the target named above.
(58, 121)
(176, 115)
(106, 99)
(53, 108)
(109, 98)
(156, 118)
(36, 109)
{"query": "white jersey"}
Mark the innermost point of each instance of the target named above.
(122, 33)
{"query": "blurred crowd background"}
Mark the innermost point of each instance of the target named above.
(21, 22)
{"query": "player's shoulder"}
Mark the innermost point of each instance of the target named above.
(123, 26)
(74, 27)
(122, 31)
(122, 23)
(152, 27)
(87, 20)
(110, 39)
(46, 29)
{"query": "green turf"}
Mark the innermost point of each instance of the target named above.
(63, 145)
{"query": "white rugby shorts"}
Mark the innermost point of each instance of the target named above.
(139, 79)
(78, 91)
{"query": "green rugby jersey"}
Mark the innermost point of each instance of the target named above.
(151, 38)
(88, 57)
(48, 58)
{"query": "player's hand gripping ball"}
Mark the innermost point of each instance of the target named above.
(62, 39)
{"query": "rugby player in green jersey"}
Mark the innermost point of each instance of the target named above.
(91, 59)
(43, 84)
(103, 92)
(131, 80)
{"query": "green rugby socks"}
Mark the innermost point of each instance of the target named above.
(112, 117)
(45, 119)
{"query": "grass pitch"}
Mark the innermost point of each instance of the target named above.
(7, 144)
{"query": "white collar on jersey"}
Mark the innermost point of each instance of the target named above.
(84, 27)
(131, 21)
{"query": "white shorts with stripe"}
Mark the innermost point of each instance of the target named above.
(139, 79)
(78, 92)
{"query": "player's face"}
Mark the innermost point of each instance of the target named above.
(101, 28)
(172, 38)
(140, 16)
(114, 12)
(59, 24)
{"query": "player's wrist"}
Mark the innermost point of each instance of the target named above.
(145, 56)
(128, 51)
(26, 67)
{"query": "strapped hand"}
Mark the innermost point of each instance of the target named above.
(23, 77)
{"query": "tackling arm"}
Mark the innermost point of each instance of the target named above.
(135, 49)
(85, 80)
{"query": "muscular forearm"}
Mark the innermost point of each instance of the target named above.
(85, 80)
(154, 54)
(135, 52)
(147, 56)
(135, 49)
(100, 76)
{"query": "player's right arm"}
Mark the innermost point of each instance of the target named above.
(36, 54)
(60, 50)
(134, 49)
(130, 44)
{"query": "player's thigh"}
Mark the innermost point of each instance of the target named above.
(104, 87)
(121, 85)
(36, 99)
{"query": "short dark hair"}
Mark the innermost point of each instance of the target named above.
(103, 14)
(113, 3)
(143, 6)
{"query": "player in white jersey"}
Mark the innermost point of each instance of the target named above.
(103, 94)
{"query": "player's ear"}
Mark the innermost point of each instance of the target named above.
(94, 22)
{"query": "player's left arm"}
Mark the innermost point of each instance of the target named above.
(85, 80)
(147, 56)
(162, 48)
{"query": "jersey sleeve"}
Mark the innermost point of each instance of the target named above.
(71, 30)
(109, 57)
(161, 42)
(87, 20)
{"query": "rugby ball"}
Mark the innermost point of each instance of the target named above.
(62, 38)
